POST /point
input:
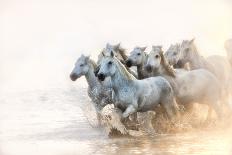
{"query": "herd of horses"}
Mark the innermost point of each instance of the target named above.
(144, 80)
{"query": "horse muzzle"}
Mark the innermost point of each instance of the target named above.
(128, 63)
(74, 76)
(101, 76)
(148, 68)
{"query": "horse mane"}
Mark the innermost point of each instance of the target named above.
(195, 50)
(201, 60)
(122, 52)
(166, 65)
(123, 69)
(93, 63)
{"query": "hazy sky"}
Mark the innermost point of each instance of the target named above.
(40, 40)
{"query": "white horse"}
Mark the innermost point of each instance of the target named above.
(198, 85)
(138, 58)
(101, 95)
(132, 95)
(216, 64)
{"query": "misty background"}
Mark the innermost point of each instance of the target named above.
(41, 40)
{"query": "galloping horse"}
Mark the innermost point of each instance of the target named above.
(218, 65)
(132, 95)
(101, 95)
(198, 85)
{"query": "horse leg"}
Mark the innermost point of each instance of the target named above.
(129, 110)
(170, 106)
(133, 117)
(209, 115)
(145, 122)
(217, 108)
(99, 118)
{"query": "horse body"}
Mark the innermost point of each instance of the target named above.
(198, 85)
(218, 65)
(221, 67)
(132, 95)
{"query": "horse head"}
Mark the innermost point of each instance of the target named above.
(107, 67)
(173, 54)
(156, 60)
(137, 57)
(81, 67)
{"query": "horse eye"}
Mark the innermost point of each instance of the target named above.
(81, 65)
(157, 56)
(139, 54)
(110, 63)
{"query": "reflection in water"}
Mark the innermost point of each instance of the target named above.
(52, 122)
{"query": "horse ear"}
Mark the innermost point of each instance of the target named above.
(116, 47)
(103, 54)
(87, 57)
(107, 45)
(112, 54)
(155, 47)
(192, 40)
(161, 52)
(143, 48)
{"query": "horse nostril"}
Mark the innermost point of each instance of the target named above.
(128, 63)
(148, 68)
(96, 70)
(73, 76)
(101, 77)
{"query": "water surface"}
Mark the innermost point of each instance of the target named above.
(54, 122)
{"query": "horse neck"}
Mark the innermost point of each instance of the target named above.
(164, 69)
(122, 53)
(160, 71)
(196, 61)
(140, 68)
(121, 79)
(90, 77)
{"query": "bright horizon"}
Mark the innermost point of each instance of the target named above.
(41, 40)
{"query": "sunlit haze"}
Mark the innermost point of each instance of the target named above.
(40, 40)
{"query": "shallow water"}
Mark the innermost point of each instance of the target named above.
(52, 122)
